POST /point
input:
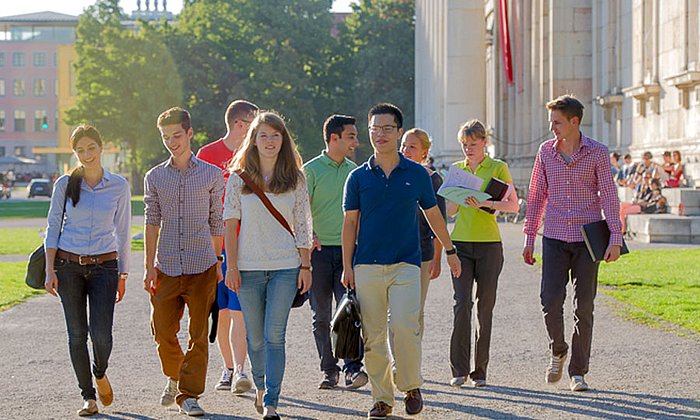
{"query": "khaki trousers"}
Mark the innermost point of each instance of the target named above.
(197, 291)
(382, 290)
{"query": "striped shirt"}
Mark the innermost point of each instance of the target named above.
(187, 206)
(574, 193)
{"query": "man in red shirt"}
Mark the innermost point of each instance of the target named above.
(230, 334)
(573, 179)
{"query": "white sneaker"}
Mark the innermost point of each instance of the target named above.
(457, 381)
(225, 381)
(477, 383)
(241, 383)
(578, 383)
(555, 369)
(191, 407)
(167, 398)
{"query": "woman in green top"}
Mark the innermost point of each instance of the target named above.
(478, 242)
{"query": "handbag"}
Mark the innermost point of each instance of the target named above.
(299, 298)
(346, 328)
(36, 266)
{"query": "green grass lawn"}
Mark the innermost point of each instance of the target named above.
(16, 241)
(661, 283)
(30, 209)
(23, 241)
(13, 290)
(657, 284)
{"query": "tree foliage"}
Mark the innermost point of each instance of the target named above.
(125, 78)
(281, 55)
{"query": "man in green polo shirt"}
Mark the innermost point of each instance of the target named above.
(326, 175)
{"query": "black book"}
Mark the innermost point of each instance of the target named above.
(597, 237)
(497, 189)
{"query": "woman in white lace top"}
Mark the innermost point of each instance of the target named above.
(266, 264)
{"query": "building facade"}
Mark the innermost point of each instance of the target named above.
(29, 87)
(635, 64)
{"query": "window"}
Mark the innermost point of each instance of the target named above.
(2, 151)
(55, 59)
(2, 87)
(39, 59)
(20, 117)
(41, 122)
(2, 122)
(39, 87)
(2, 59)
(18, 87)
(55, 87)
(20, 150)
(18, 59)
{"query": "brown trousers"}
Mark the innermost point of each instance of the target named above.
(198, 292)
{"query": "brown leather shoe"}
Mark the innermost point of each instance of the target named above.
(413, 401)
(379, 411)
(104, 390)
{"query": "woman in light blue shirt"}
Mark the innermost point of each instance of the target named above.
(87, 259)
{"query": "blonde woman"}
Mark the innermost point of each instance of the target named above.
(267, 265)
(415, 145)
(478, 242)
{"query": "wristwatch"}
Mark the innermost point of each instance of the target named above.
(306, 267)
(123, 276)
(450, 251)
(220, 258)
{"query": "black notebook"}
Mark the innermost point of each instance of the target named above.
(497, 189)
(597, 236)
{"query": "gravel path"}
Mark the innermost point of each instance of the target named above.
(636, 372)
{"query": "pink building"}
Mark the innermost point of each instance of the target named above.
(29, 85)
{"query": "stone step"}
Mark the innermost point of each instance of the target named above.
(668, 228)
(690, 197)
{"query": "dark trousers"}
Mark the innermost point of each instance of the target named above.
(326, 285)
(78, 285)
(482, 263)
(558, 260)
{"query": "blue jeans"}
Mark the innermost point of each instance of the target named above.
(78, 285)
(266, 298)
(326, 286)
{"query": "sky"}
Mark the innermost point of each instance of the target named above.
(75, 7)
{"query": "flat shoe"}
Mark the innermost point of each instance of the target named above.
(258, 407)
(104, 390)
(89, 408)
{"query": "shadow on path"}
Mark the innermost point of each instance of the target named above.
(594, 403)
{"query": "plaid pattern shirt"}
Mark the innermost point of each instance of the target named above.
(574, 193)
(187, 206)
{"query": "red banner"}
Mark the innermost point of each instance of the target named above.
(505, 41)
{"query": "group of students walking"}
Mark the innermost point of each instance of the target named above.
(286, 228)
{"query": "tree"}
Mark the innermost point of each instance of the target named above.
(272, 53)
(378, 64)
(125, 78)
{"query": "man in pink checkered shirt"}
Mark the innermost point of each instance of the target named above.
(573, 179)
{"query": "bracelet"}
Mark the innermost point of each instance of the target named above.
(306, 267)
(232, 269)
(452, 251)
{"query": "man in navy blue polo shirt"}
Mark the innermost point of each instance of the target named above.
(384, 268)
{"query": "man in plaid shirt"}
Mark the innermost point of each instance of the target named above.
(183, 237)
(573, 179)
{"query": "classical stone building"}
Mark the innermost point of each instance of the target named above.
(634, 63)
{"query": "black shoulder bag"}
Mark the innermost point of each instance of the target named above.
(36, 267)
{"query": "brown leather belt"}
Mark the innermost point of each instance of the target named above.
(86, 259)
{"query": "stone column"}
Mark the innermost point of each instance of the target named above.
(450, 70)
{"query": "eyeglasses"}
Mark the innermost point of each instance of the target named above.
(386, 129)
